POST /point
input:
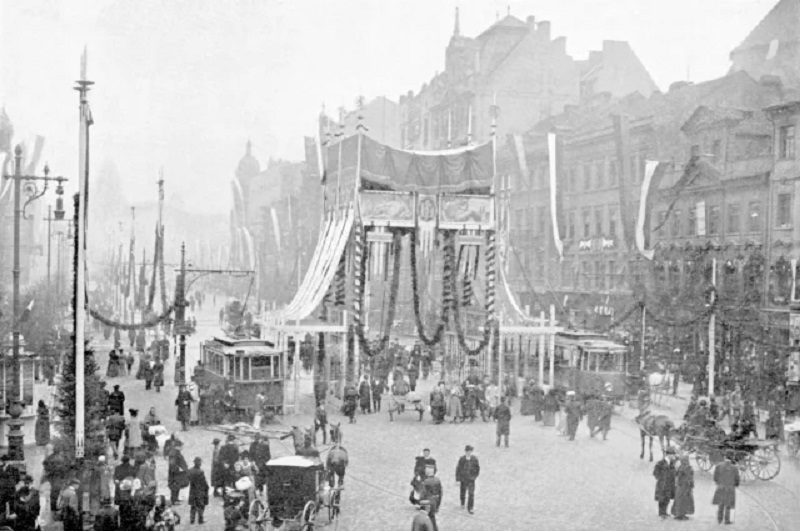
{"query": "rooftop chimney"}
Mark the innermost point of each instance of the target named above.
(544, 30)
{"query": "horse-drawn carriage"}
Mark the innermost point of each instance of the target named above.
(297, 491)
(754, 458)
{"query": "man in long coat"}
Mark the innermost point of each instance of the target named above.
(503, 416)
(228, 456)
(176, 473)
(604, 411)
(217, 470)
(116, 401)
(432, 492)
(184, 404)
(664, 472)
(726, 477)
(198, 492)
(467, 472)
(572, 409)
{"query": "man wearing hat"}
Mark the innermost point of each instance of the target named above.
(421, 463)
(184, 404)
(25, 505)
(421, 521)
(198, 492)
(664, 472)
(467, 472)
(432, 492)
(726, 477)
(228, 456)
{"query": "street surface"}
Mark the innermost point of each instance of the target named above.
(542, 481)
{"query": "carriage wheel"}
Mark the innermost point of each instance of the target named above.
(703, 461)
(765, 463)
(333, 505)
(745, 465)
(309, 516)
(256, 516)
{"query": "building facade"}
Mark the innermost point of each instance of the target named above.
(513, 73)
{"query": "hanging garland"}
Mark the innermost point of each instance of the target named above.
(361, 275)
(490, 294)
(149, 323)
(625, 316)
(447, 273)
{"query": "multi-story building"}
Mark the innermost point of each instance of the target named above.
(600, 195)
(515, 72)
(274, 222)
(380, 116)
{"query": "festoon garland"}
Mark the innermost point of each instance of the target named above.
(358, 302)
(490, 322)
(447, 275)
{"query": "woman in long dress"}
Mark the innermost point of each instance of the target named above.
(42, 424)
(113, 364)
(455, 410)
(684, 490)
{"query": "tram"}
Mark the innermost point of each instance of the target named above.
(246, 367)
(590, 363)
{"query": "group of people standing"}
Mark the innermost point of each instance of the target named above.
(675, 483)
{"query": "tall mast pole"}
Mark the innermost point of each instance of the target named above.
(80, 288)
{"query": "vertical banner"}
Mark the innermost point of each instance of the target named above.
(653, 173)
(622, 141)
(554, 193)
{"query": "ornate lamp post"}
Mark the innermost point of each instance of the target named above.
(14, 406)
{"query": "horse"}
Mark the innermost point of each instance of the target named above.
(337, 460)
(654, 426)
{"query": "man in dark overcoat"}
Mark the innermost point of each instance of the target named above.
(467, 472)
(116, 401)
(217, 470)
(573, 411)
(260, 454)
(432, 492)
(726, 477)
(664, 472)
(177, 473)
(228, 456)
(503, 416)
(184, 404)
(198, 492)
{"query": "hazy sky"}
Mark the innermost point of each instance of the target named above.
(183, 84)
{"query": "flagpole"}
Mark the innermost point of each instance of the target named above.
(80, 288)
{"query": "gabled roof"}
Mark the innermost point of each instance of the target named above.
(509, 21)
(782, 23)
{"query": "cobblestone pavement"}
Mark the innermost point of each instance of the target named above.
(542, 481)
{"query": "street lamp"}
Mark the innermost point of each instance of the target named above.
(59, 216)
(14, 406)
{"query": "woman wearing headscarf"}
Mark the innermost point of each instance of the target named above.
(684, 490)
(42, 424)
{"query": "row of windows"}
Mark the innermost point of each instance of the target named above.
(593, 175)
(676, 224)
(593, 222)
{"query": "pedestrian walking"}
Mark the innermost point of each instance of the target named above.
(503, 416)
(350, 400)
(365, 396)
(25, 505)
(229, 455)
(184, 405)
(421, 463)
(149, 436)
(433, 493)
(377, 391)
(42, 424)
(116, 401)
(454, 406)
(158, 374)
(664, 472)
(573, 413)
(133, 433)
(321, 423)
(422, 521)
(604, 412)
(726, 477)
(467, 472)
(177, 478)
(147, 373)
(194, 408)
(592, 410)
(69, 510)
(217, 470)
(198, 492)
(260, 454)
(129, 359)
(549, 408)
(684, 490)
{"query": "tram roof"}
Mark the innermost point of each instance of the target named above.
(294, 461)
(251, 345)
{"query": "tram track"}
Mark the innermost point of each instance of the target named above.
(770, 517)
